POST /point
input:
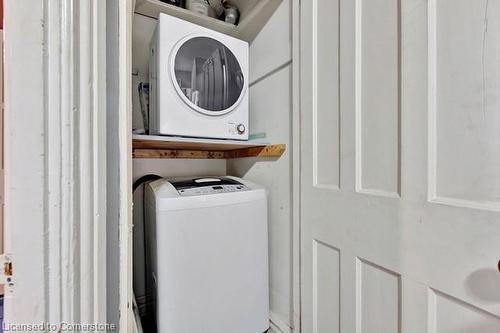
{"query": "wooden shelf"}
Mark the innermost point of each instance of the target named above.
(149, 146)
(254, 15)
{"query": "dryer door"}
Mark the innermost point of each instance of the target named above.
(208, 76)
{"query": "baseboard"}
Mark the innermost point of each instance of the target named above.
(278, 325)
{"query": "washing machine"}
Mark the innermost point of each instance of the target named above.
(198, 82)
(208, 244)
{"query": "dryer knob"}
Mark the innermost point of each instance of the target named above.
(240, 128)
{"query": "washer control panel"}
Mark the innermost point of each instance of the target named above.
(206, 186)
(212, 190)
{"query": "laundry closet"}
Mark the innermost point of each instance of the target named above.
(257, 149)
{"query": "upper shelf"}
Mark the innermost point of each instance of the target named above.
(253, 16)
(150, 146)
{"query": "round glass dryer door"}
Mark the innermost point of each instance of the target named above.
(207, 75)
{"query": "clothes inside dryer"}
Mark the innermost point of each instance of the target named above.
(208, 74)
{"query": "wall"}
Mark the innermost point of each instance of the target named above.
(271, 113)
(25, 162)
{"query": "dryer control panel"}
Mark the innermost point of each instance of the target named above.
(205, 186)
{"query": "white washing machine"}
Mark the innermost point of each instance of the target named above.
(198, 82)
(207, 238)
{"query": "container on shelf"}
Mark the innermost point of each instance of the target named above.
(201, 7)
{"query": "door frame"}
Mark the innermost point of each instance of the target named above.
(296, 168)
(126, 293)
(55, 153)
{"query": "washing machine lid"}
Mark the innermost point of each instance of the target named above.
(210, 185)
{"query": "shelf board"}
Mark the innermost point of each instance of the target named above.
(149, 146)
(253, 18)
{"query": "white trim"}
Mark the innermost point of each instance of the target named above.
(380, 193)
(277, 325)
(56, 155)
(91, 187)
(58, 91)
(125, 173)
(358, 91)
(314, 89)
(431, 103)
(463, 203)
(100, 157)
(99, 149)
(295, 146)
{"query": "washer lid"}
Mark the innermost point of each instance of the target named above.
(211, 185)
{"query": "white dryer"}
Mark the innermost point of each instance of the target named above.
(209, 250)
(198, 82)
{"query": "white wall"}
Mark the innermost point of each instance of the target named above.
(271, 113)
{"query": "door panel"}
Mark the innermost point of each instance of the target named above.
(449, 314)
(377, 97)
(400, 170)
(326, 266)
(325, 80)
(464, 102)
(378, 298)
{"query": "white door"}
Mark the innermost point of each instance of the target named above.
(400, 166)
